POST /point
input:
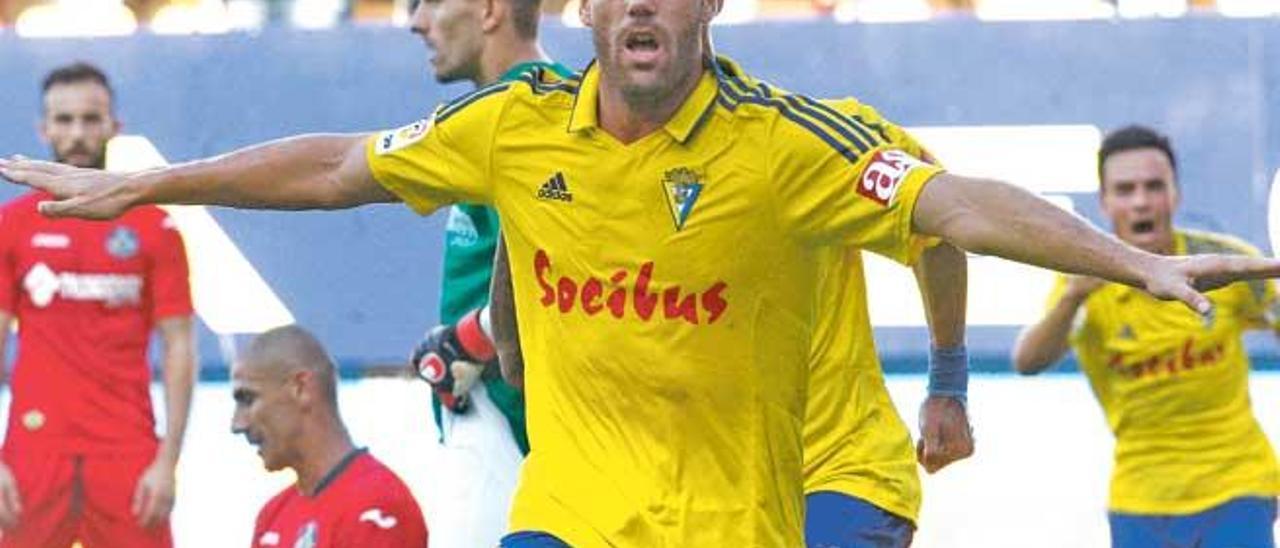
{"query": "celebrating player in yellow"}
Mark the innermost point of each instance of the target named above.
(665, 225)
(1191, 461)
(860, 477)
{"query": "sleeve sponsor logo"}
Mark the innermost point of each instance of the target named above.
(396, 139)
(884, 173)
(376, 517)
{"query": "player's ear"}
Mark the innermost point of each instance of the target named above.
(710, 8)
(42, 130)
(492, 15)
(584, 12)
(298, 384)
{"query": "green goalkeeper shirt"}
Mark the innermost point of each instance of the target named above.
(471, 239)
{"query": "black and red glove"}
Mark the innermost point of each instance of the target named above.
(452, 357)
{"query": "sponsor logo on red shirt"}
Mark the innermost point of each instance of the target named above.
(114, 290)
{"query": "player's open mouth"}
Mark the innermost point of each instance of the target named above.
(642, 46)
(1143, 227)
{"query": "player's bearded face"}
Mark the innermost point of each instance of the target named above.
(452, 30)
(1139, 195)
(78, 123)
(648, 48)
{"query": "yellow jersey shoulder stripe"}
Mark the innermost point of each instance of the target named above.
(453, 107)
(846, 135)
(535, 79)
(1199, 242)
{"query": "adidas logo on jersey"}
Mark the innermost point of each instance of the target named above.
(555, 189)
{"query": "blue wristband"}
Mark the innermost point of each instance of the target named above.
(949, 373)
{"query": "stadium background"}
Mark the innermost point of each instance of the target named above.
(1023, 100)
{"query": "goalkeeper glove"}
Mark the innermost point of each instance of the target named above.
(451, 358)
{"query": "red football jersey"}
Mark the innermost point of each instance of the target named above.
(86, 295)
(359, 503)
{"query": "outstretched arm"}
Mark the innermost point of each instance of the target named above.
(945, 436)
(995, 218)
(303, 172)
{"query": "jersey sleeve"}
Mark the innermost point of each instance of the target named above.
(444, 158)
(896, 136)
(842, 181)
(169, 280)
(8, 262)
(1262, 308)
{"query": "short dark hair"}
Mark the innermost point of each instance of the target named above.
(1134, 137)
(75, 73)
(525, 15)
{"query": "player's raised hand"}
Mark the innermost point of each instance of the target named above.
(153, 497)
(81, 192)
(10, 501)
(945, 434)
(1184, 277)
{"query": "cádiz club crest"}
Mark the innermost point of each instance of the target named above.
(681, 186)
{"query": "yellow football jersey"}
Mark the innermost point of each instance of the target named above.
(855, 442)
(1174, 387)
(666, 291)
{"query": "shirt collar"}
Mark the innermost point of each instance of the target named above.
(682, 124)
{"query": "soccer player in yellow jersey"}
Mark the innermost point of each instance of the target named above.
(665, 227)
(860, 476)
(1192, 465)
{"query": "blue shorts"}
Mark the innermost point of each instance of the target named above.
(532, 539)
(837, 520)
(1245, 522)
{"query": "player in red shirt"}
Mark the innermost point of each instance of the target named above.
(285, 389)
(81, 460)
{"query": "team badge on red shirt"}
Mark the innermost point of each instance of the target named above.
(308, 535)
(122, 243)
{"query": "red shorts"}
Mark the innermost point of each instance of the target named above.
(85, 498)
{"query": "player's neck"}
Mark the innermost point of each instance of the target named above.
(324, 453)
(628, 119)
(504, 53)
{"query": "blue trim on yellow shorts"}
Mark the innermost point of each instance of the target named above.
(1245, 522)
(837, 520)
